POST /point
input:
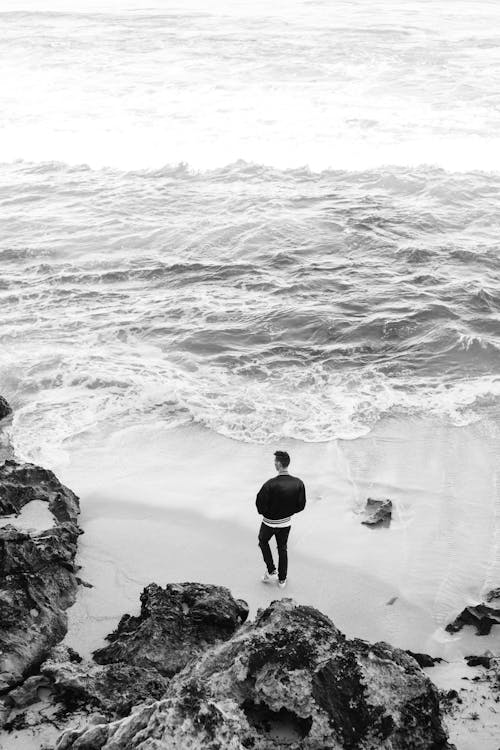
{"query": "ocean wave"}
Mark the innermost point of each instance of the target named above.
(150, 154)
(55, 405)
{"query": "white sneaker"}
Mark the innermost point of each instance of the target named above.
(282, 584)
(270, 577)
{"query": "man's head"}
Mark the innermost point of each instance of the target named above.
(281, 460)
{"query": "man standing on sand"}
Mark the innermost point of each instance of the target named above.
(277, 500)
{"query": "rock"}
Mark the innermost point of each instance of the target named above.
(448, 700)
(22, 483)
(37, 571)
(6, 450)
(112, 690)
(481, 616)
(479, 661)
(5, 409)
(378, 513)
(5, 712)
(289, 679)
(424, 660)
(85, 584)
(176, 623)
(493, 594)
(27, 693)
(97, 718)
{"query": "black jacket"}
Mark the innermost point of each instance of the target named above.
(281, 496)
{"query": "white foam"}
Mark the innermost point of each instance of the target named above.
(340, 86)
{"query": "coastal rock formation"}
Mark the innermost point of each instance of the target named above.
(113, 689)
(175, 624)
(481, 616)
(37, 572)
(378, 513)
(424, 660)
(5, 409)
(493, 594)
(288, 679)
(22, 483)
(484, 660)
(5, 445)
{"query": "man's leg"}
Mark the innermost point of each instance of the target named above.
(281, 541)
(265, 534)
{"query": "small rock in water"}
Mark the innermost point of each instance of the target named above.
(378, 513)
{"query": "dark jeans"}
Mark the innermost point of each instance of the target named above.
(265, 534)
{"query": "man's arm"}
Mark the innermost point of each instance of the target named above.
(301, 498)
(262, 501)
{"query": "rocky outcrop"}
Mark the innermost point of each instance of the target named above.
(113, 689)
(175, 624)
(5, 445)
(424, 660)
(492, 595)
(484, 660)
(5, 409)
(378, 513)
(482, 617)
(289, 679)
(37, 571)
(22, 483)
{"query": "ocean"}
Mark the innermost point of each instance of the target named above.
(253, 226)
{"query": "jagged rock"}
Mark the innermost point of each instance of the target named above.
(37, 571)
(479, 661)
(480, 616)
(378, 513)
(5, 409)
(113, 689)
(424, 660)
(289, 679)
(22, 483)
(493, 594)
(448, 700)
(176, 623)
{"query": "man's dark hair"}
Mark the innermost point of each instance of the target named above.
(282, 457)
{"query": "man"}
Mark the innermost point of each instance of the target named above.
(277, 500)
